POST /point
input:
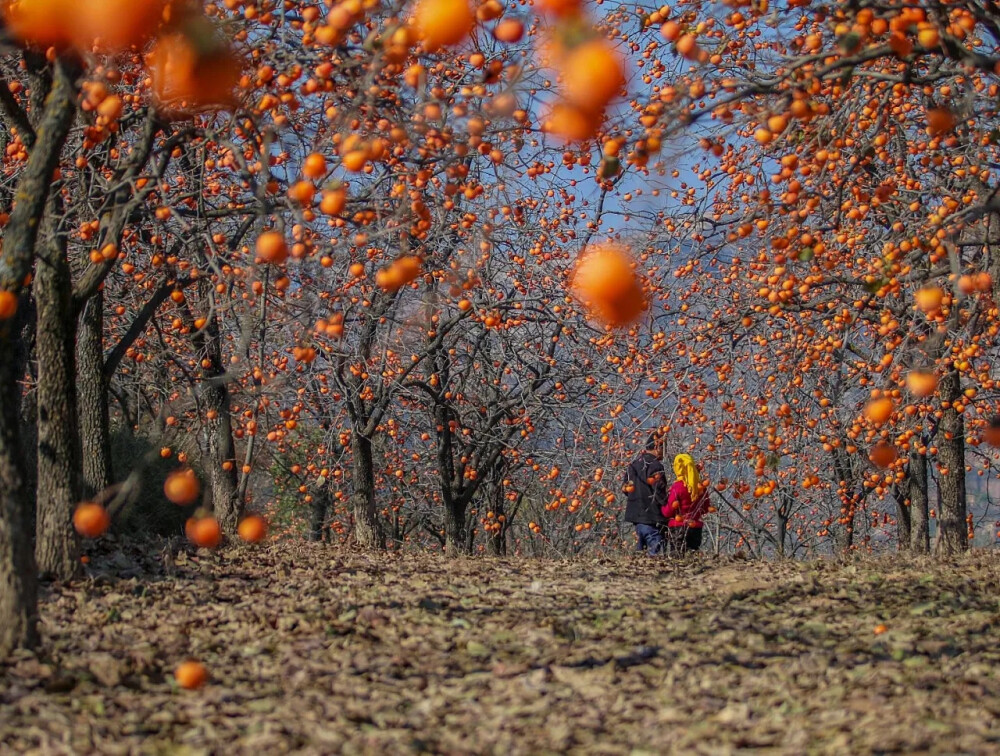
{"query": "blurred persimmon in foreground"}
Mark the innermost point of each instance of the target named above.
(401, 272)
(193, 70)
(992, 433)
(8, 304)
(878, 410)
(921, 383)
(252, 528)
(605, 282)
(182, 487)
(111, 25)
(91, 519)
(271, 247)
(204, 531)
(45, 23)
(442, 23)
(191, 675)
(883, 454)
(115, 24)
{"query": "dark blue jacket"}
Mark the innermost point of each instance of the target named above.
(646, 487)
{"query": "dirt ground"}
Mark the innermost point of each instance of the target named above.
(314, 650)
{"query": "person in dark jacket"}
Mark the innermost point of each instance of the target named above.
(646, 486)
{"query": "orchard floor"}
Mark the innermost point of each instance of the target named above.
(313, 650)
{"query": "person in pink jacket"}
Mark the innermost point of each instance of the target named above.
(687, 503)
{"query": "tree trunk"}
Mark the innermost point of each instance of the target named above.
(318, 513)
(903, 520)
(916, 486)
(18, 587)
(58, 491)
(95, 433)
(18, 590)
(782, 514)
(367, 532)
(843, 534)
(951, 456)
(496, 542)
(222, 476)
(221, 464)
(455, 533)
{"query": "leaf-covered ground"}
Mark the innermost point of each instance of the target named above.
(319, 651)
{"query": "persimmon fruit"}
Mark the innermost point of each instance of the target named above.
(8, 304)
(43, 23)
(929, 298)
(883, 454)
(509, 30)
(115, 24)
(334, 201)
(991, 434)
(921, 383)
(593, 74)
(91, 519)
(271, 247)
(191, 77)
(191, 674)
(182, 487)
(940, 121)
(605, 282)
(252, 528)
(206, 532)
(314, 166)
(559, 8)
(443, 23)
(879, 410)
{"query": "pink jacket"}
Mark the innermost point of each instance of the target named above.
(680, 511)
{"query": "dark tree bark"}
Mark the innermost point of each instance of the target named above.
(222, 474)
(456, 536)
(320, 507)
(903, 520)
(367, 531)
(219, 444)
(496, 542)
(782, 514)
(18, 588)
(843, 534)
(953, 534)
(916, 483)
(58, 491)
(95, 425)
(18, 585)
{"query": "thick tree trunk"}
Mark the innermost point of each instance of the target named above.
(367, 531)
(18, 590)
(58, 490)
(222, 475)
(95, 433)
(318, 514)
(456, 537)
(951, 456)
(916, 487)
(221, 464)
(18, 587)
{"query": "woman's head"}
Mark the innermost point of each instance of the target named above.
(686, 470)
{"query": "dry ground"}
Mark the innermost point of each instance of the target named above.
(313, 650)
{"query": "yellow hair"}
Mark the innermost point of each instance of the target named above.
(685, 470)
